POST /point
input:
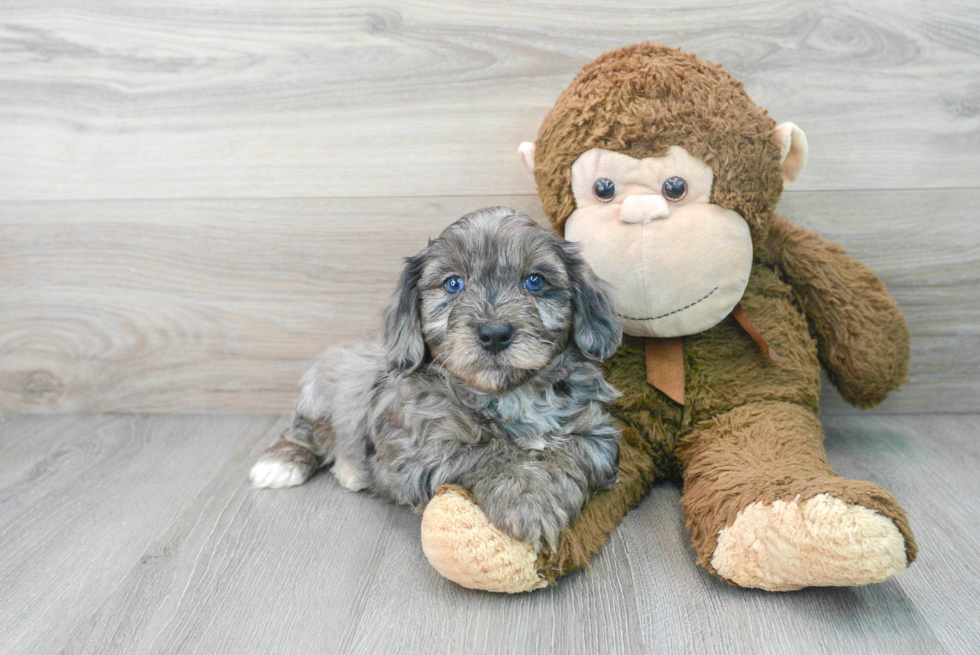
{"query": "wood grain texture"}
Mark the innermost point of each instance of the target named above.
(220, 305)
(86, 508)
(140, 534)
(250, 98)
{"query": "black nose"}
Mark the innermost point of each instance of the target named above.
(495, 335)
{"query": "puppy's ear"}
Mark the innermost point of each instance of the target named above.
(403, 341)
(595, 329)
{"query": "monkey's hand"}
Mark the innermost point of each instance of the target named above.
(862, 337)
(464, 546)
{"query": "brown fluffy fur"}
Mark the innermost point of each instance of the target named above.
(749, 431)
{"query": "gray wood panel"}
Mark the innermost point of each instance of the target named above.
(96, 492)
(140, 534)
(249, 98)
(220, 305)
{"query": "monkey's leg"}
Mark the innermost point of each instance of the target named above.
(765, 510)
(463, 545)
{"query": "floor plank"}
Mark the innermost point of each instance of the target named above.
(85, 511)
(929, 464)
(139, 534)
(247, 98)
(220, 305)
(598, 613)
(295, 566)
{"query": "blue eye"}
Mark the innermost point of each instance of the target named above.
(534, 283)
(454, 284)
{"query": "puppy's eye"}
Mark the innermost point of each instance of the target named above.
(454, 284)
(534, 283)
(604, 189)
(675, 188)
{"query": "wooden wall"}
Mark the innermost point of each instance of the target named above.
(197, 197)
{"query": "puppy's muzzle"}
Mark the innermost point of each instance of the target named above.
(495, 336)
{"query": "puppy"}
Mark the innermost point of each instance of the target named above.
(485, 378)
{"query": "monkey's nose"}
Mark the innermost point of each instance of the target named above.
(643, 209)
(495, 335)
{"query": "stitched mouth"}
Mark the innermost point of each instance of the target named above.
(653, 318)
(643, 222)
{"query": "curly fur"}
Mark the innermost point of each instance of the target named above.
(525, 429)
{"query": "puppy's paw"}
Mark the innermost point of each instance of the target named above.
(463, 545)
(275, 473)
(348, 475)
(532, 514)
(536, 526)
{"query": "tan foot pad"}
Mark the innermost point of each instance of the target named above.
(821, 542)
(464, 546)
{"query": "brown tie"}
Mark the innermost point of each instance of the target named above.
(665, 366)
(743, 319)
(665, 357)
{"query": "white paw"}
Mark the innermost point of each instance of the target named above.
(273, 473)
(348, 475)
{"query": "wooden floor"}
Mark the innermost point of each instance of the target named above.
(140, 534)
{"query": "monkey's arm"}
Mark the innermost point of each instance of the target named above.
(862, 337)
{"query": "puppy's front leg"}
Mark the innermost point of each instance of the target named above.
(532, 495)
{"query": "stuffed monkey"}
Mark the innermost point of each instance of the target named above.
(667, 175)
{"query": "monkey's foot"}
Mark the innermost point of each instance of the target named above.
(464, 546)
(821, 542)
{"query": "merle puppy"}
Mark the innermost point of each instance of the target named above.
(485, 378)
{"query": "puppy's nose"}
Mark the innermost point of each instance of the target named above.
(495, 335)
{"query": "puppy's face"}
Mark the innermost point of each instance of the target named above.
(493, 300)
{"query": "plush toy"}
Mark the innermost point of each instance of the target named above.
(665, 172)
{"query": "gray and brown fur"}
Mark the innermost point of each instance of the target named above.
(526, 428)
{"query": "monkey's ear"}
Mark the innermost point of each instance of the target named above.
(403, 342)
(527, 150)
(792, 143)
(595, 329)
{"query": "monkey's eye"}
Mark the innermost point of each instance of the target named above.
(604, 189)
(675, 188)
(534, 283)
(454, 284)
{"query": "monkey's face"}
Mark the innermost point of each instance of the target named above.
(677, 263)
